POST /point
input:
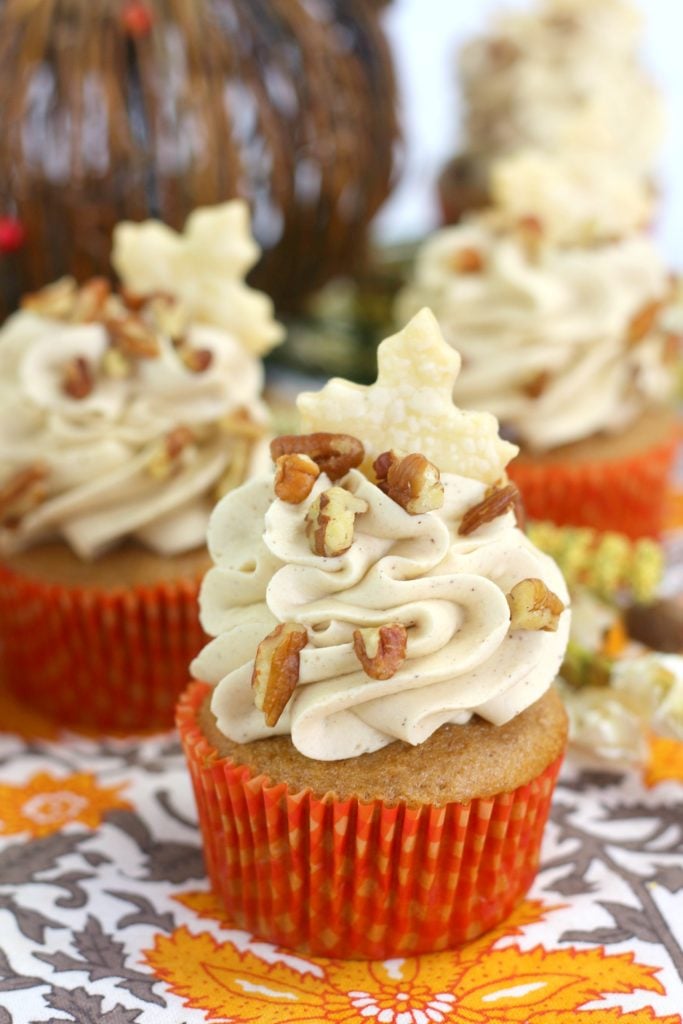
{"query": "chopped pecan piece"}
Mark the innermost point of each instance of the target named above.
(412, 481)
(533, 606)
(56, 300)
(535, 387)
(330, 521)
(336, 454)
(496, 501)
(467, 261)
(165, 459)
(197, 360)
(91, 300)
(78, 380)
(276, 669)
(115, 364)
(133, 338)
(236, 471)
(643, 322)
(240, 424)
(530, 235)
(167, 315)
(381, 651)
(22, 492)
(294, 477)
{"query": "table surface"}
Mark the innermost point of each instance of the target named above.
(106, 916)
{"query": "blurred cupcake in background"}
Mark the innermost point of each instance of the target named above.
(558, 302)
(123, 415)
(562, 77)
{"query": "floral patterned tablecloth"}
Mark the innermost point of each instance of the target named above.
(105, 915)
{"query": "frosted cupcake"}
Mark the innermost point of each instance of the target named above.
(376, 703)
(122, 416)
(562, 78)
(558, 305)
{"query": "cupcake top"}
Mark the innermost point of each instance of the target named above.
(362, 593)
(560, 341)
(123, 414)
(564, 76)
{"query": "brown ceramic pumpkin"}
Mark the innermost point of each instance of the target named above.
(113, 109)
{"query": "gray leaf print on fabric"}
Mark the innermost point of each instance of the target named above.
(658, 833)
(30, 923)
(670, 877)
(166, 861)
(4, 1016)
(20, 862)
(147, 913)
(10, 981)
(630, 923)
(86, 1008)
(100, 956)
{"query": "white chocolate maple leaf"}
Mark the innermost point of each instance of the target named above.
(410, 407)
(204, 268)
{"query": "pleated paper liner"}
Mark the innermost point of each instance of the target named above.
(344, 878)
(105, 660)
(626, 493)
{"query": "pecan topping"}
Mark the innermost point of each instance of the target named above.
(78, 380)
(168, 315)
(530, 235)
(276, 669)
(294, 477)
(91, 300)
(197, 360)
(56, 300)
(381, 651)
(533, 606)
(496, 501)
(236, 471)
(241, 424)
(643, 322)
(21, 493)
(165, 458)
(115, 364)
(535, 387)
(467, 261)
(336, 454)
(330, 521)
(133, 338)
(412, 481)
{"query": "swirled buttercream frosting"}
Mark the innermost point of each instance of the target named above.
(437, 564)
(120, 420)
(560, 342)
(562, 77)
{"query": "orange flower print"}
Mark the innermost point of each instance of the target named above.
(666, 761)
(45, 804)
(476, 984)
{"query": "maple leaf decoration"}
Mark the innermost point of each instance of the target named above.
(477, 983)
(410, 407)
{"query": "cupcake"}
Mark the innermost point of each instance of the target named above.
(373, 739)
(122, 416)
(558, 304)
(563, 77)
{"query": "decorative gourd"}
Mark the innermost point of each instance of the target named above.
(126, 109)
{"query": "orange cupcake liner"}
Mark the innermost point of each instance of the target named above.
(97, 659)
(356, 880)
(627, 494)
